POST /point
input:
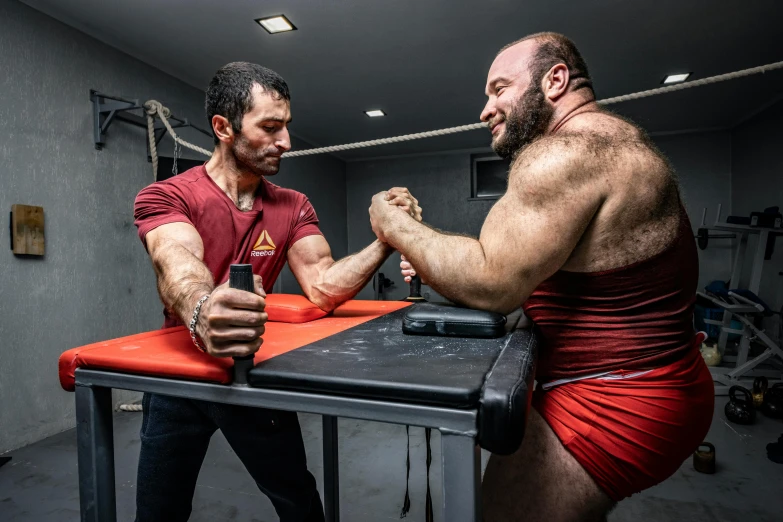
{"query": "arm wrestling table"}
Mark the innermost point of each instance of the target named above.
(355, 363)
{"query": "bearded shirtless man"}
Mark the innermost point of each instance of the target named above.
(592, 239)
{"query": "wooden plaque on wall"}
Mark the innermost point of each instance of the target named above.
(27, 230)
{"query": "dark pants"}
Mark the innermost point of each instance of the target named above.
(175, 436)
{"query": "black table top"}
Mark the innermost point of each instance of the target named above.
(375, 360)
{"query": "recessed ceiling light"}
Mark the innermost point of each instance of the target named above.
(276, 24)
(375, 113)
(676, 78)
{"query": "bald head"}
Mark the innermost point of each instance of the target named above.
(530, 82)
(539, 52)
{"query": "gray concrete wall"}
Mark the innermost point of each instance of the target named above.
(757, 183)
(703, 166)
(442, 184)
(95, 281)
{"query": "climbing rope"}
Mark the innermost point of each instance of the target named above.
(694, 83)
(608, 101)
(155, 108)
(386, 141)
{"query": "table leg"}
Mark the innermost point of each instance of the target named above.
(331, 470)
(95, 443)
(461, 460)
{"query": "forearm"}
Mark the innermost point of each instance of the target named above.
(183, 278)
(454, 266)
(343, 279)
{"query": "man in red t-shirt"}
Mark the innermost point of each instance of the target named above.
(194, 227)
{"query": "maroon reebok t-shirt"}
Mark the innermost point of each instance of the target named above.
(261, 236)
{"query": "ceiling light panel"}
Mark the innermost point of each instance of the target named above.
(276, 24)
(676, 78)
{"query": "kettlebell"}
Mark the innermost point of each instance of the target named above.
(773, 402)
(710, 354)
(704, 458)
(740, 409)
(760, 385)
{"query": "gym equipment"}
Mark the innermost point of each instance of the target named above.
(354, 363)
(737, 307)
(742, 309)
(773, 402)
(760, 385)
(703, 237)
(415, 291)
(704, 458)
(240, 277)
(107, 108)
(770, 218)
(710, 354)
(448, 320)
(740, 410)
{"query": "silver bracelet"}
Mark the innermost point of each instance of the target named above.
(194, 321)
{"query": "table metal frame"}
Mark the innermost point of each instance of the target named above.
(460, 454)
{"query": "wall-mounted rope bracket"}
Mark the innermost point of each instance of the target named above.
(107, 109)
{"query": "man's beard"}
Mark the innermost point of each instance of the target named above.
(253, 160)
(528, 119)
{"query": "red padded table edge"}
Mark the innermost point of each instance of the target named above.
(289, 308)
(171, 353)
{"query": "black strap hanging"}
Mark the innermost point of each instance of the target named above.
(429, 516)
(406, 504)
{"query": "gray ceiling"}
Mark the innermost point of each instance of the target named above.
(425, 61)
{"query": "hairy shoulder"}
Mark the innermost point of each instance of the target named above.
(560, 166)
(562, 151)
(615, 142)
(595, 158)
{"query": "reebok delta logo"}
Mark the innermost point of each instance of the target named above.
(264, 246)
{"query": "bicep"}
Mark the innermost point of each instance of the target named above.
(183, 235)
(532, 231)
(160, 204)
(308, 257)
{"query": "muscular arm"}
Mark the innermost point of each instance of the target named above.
(231, 321)
(329, 283)
(177, 251)
(527, 236)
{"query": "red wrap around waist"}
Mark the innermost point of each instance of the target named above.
(635, 317)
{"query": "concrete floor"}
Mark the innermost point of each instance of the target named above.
(40, 483)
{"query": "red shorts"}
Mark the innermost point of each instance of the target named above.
(630, 434)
